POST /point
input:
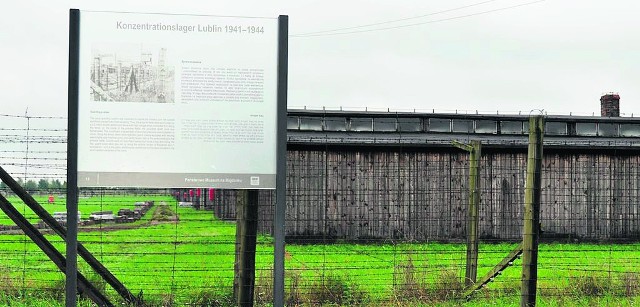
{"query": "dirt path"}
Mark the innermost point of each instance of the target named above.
(161, 214)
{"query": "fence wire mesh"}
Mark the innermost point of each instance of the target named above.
(364, 226)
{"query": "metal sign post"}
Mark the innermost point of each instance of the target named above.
(281, 164)
(72, 160)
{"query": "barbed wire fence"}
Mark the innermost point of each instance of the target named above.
(377, 226)
(160, 243)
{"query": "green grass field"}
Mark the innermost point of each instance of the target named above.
(191, 262)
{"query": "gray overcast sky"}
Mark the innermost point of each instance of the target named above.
(557, 55)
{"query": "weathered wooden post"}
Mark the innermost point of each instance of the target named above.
(474, 208)
(246, 234)
(532, 213)
(475, 151)
(241, 198)
(204, 199)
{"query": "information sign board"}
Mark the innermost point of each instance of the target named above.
(177, 101)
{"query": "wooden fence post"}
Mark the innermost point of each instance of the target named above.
(474, 208)
(246, 234)
(532, 213)
(475, 152)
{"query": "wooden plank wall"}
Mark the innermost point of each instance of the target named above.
(422, 196)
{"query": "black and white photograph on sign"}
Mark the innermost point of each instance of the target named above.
(131, 73)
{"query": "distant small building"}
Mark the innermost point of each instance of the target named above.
(61, 217)
(102, 216)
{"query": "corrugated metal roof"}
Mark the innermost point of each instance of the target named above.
(571, 140)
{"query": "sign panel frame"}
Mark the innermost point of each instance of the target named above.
(177, 101)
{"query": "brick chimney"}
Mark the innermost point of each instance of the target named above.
(610, 105)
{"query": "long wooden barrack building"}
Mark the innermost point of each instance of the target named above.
(363, 176)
